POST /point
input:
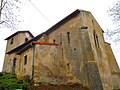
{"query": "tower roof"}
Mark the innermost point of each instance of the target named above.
(19, 32)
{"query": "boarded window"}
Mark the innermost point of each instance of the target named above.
(25, 59)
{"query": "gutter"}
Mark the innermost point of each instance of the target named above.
(33, 53)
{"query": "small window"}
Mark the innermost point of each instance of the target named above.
(26, 39)
(68, 36)
(11, 41)
(54, 41)
(94, 35)
(97, 41)
(96, 38)
(25, 59)
(68, 65)
(14, 62)
(93, 24)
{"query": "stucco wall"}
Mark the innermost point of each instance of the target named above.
(20, 68)
(18, 39)
(114, 68)
(9, 63)
(25, 69)
(77, 59)
(99, 52)
(67, 63)
(81, 56)
(58, 64)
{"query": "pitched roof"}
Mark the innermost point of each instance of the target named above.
(60, 23)
(19, 32)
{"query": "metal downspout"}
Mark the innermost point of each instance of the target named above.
(33, 52)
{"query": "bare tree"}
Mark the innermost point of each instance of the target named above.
(9, 13)
(114, 13)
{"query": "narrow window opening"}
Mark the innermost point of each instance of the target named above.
(11, 41)
(54, 41)
(68, 36)
(68, 65)
(26, 39)
(93, 24)
(94, 34)
(96, 39)
(14, 63)
(54, 58)
(62, 54)
(25, 59)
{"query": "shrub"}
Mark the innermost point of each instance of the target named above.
(10, 82)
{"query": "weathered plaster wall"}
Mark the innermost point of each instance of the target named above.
(99, 51)
(77, 59)
(18, 39)
(20, 68)
(81, 56)
(25, 69)
(60, 64)
(112, 61)
(114, 68)
(73, 60)
(9, 63)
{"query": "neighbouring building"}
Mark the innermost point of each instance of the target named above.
(71, 51)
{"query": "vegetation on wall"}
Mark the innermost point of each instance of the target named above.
(10, 82)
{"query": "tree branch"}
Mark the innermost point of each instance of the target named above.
(3, 5)
(1, 22)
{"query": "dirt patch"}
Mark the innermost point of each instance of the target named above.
(56, 87)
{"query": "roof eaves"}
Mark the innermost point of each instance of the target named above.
(64, 20)
(24, 48)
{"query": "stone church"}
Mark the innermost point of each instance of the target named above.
(71, 51)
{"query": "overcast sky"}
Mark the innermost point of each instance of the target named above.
(39, 15)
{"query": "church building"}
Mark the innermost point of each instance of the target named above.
(73, 51)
